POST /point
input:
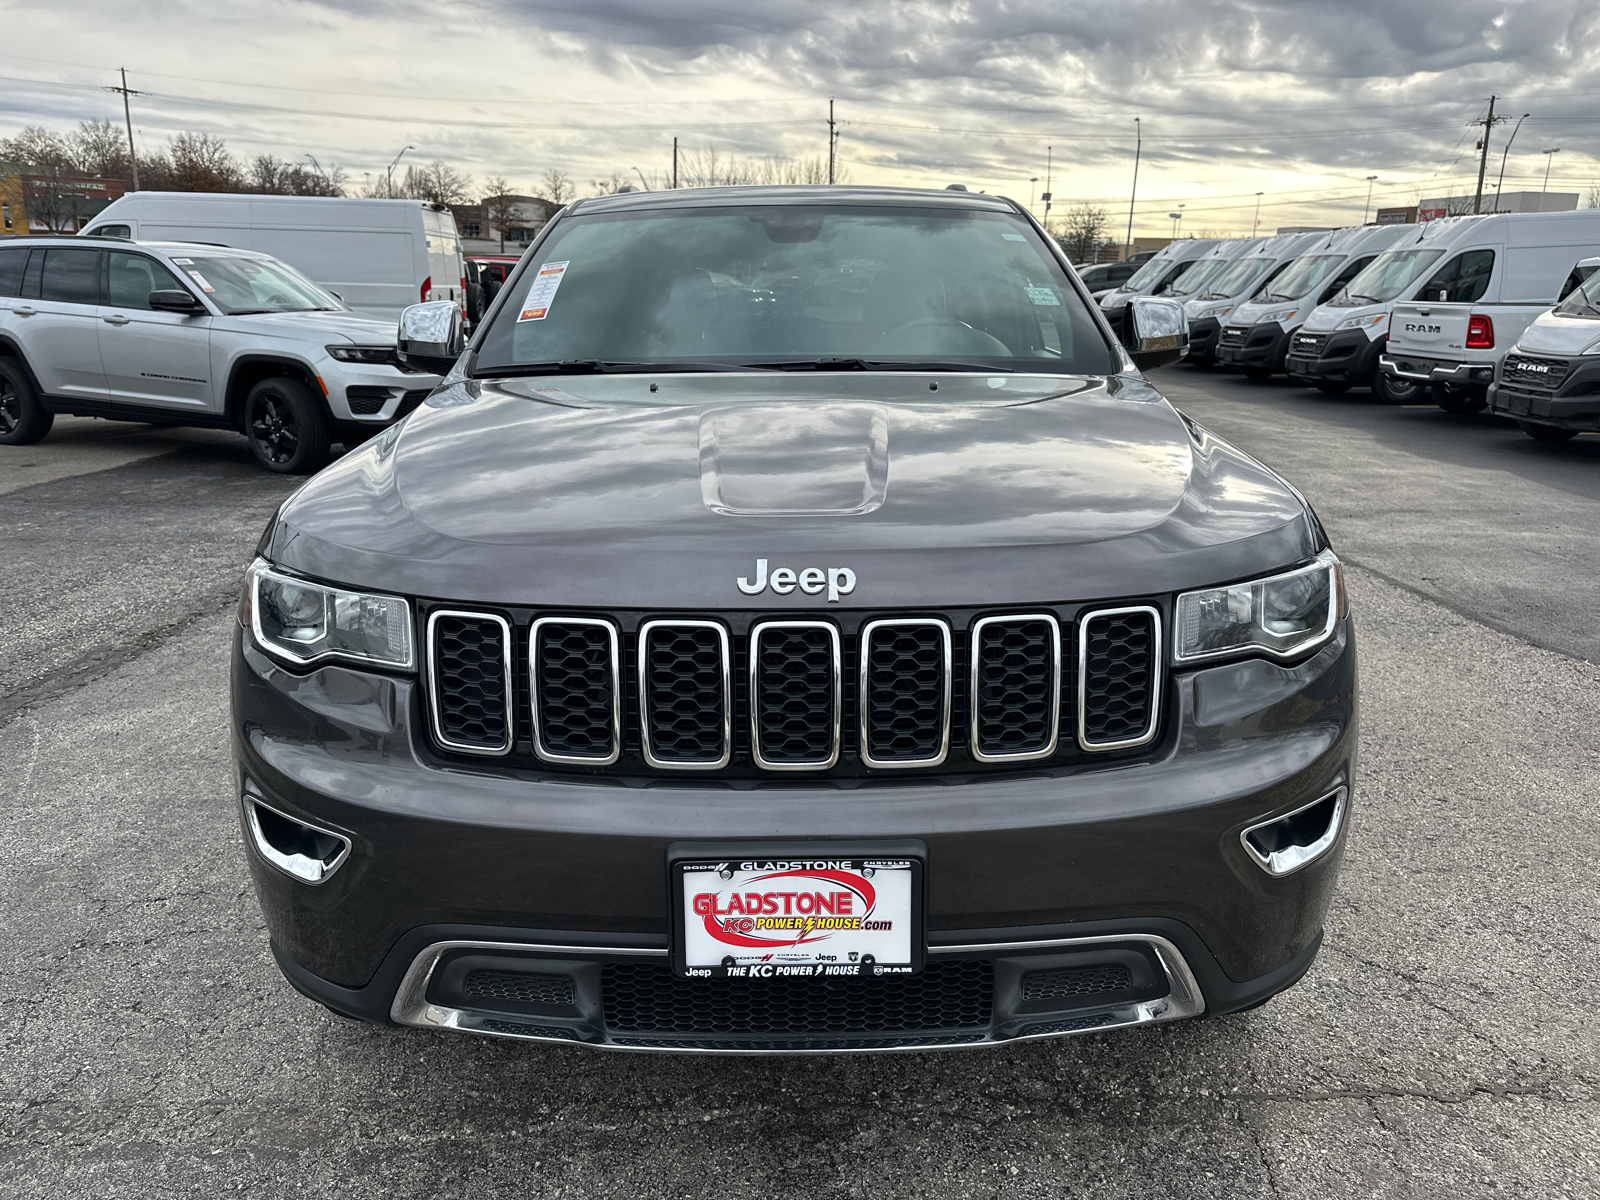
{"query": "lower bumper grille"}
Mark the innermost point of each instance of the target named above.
(647, 998)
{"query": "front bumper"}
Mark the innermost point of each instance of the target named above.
(1260, 346)
(372, 393)
(1347, 356)
(1203, 335)
(1573, 404)
(1027, 872)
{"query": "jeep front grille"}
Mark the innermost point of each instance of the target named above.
(1119, 679)
(686, 698)
(855, 694)
(469, 669)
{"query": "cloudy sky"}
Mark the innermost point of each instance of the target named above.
(1298, 101)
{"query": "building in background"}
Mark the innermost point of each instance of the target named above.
(1507, 202)
(49, 200)
(506, 223)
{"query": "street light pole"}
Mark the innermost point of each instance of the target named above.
(1547, 161)
(1257, 222)
(642, 179)
(1049, 167)
(1176, 217)
(1367, 207)
(1032, 179)
(388, 187)
(1138, 144)
(1503, 154)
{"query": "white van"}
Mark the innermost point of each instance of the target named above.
(1256, 336)
(1549, 382)
(1155, 277)
(1463, 258)
(1449, 337)
(1258, 263)
(377, 256)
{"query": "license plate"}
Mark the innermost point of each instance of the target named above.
(770, 918)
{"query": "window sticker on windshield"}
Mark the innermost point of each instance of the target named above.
(1043, 295)
(201, 279)
(1013, 237)
(543, 292)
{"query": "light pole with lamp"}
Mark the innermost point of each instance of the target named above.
(388, 187)
(1257, 222)
(1032, 179)
(1176, 217)
(642, 179)
(1503, 154)
(1138, 144)
(1547, 161)
(1367, 207)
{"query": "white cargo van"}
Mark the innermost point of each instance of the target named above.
(377, 256)
(1549, 382)
(1465, 259)
(1155, 277)
(1451, 333)
(1256, 336)
(1256, 264)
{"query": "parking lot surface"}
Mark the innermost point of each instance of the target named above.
(1442, 1045)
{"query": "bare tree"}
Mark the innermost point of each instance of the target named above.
(1591, 196)
(201, 163)
(499, 210)
(48, 168)
(614, 182)
(1081, 231)
(438, 183)
(555, 187)
(101, 149)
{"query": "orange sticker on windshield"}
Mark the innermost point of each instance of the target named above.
(543, 292)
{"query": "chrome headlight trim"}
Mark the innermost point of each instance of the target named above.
(1326, 561)
(261, 570)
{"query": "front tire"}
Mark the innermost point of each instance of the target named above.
(23, 420)
(286, 427)
(1394, 391)
(1455, 400)
(1546, 433)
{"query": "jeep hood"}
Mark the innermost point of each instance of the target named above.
(659, 492)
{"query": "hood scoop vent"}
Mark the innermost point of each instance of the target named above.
(814, 459)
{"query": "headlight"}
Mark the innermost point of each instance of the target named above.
(1216, 310)
(1283, 615)
(363, 354)
(1366, 322)
(1282, 314)
(305, 622)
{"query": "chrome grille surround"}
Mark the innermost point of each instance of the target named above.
(863, 702)
(836, 697)
(434, 713)
(645, 702)
(537, 693)
(1052, 688)
(1157, 671)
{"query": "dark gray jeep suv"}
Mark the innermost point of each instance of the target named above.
(795, 624)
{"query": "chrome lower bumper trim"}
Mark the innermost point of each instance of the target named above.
(1461, 372)
(1184, 999)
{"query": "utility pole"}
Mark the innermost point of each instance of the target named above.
(1503, 156)
(1138, 144)
(127, 115)
(833, 139)
(1366, 208)
(674, 164)
(1256, 223)
(1489, 123)
(1049, 167)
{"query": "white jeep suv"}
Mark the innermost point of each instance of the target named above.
(181, 333)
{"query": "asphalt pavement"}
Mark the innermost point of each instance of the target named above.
(1442, 1045)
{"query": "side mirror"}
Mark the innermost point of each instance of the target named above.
(431, 337)
(176, 300)
(1157, 332)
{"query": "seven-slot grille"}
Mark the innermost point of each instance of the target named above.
(899, 692)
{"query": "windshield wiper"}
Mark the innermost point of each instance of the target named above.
(594, 366)
(1358, 298)
(877, 364)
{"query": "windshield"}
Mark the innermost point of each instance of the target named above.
(1240, 277)
(1583, 300)
(1146, 275)
(793, 287)
(255, 285)
(1385, 277)
(1302, 277)
(1192, 280)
